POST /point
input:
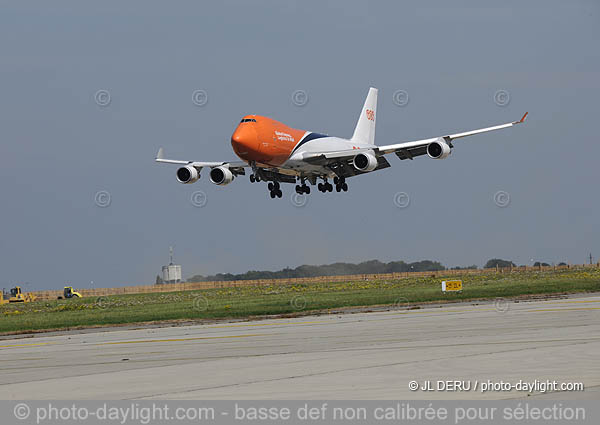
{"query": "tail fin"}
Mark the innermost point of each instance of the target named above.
(365, 128)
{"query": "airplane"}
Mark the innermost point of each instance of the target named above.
(276, 153)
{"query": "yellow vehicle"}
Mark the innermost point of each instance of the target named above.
(17, 296)
(2, 300)
(69, 293)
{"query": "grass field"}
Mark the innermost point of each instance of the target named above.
(254, 301)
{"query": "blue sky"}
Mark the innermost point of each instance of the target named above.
(60, 148)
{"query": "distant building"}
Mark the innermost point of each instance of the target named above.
(172, 272)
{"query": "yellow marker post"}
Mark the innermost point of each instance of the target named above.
(452, 285)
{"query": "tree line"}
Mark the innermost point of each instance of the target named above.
(335, 269)
(340, 269)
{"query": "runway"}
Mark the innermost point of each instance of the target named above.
(337, 356)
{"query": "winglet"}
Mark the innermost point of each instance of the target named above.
(523, 119)
(159, 155)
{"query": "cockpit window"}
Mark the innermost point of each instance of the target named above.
(248, 120)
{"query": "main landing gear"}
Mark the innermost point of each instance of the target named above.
(325, 187)
(340, 185)
(275, 190)
(300, 189)
(274, 187)
(303, 188)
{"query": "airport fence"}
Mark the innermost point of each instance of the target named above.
(194, 286)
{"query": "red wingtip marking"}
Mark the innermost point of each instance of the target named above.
(524, 116)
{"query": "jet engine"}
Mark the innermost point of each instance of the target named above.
(187, 174)
(438, 149)
(365, 162)
(221, 176)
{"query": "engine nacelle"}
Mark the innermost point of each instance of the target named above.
(438, 149)
(221, 176)
(365, 162)
(187, 174)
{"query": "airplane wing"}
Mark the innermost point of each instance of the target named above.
(341, 161)
(237, 167)
(408, 150)
(404, 150)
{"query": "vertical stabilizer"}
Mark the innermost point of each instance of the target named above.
(365, 128)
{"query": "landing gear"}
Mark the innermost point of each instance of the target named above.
(302, 189)
(340, 184)
(275, 190)
(254, 177)
(325, 187)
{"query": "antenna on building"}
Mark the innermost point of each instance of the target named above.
(591, 258)
(172, 272)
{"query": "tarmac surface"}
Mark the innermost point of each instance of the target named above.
(338, 356)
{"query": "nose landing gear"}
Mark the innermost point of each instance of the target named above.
(255, 176)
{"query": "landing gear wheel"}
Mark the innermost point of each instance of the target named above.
(338, 188)
(279, 193)
(329, 187)
(298, 189)
(336, 180)
(320, 187)
(272, 194)
(345, 187)
(252, 179)
(306, 189)
(270, 186)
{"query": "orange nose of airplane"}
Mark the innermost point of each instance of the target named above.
(245, 141)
